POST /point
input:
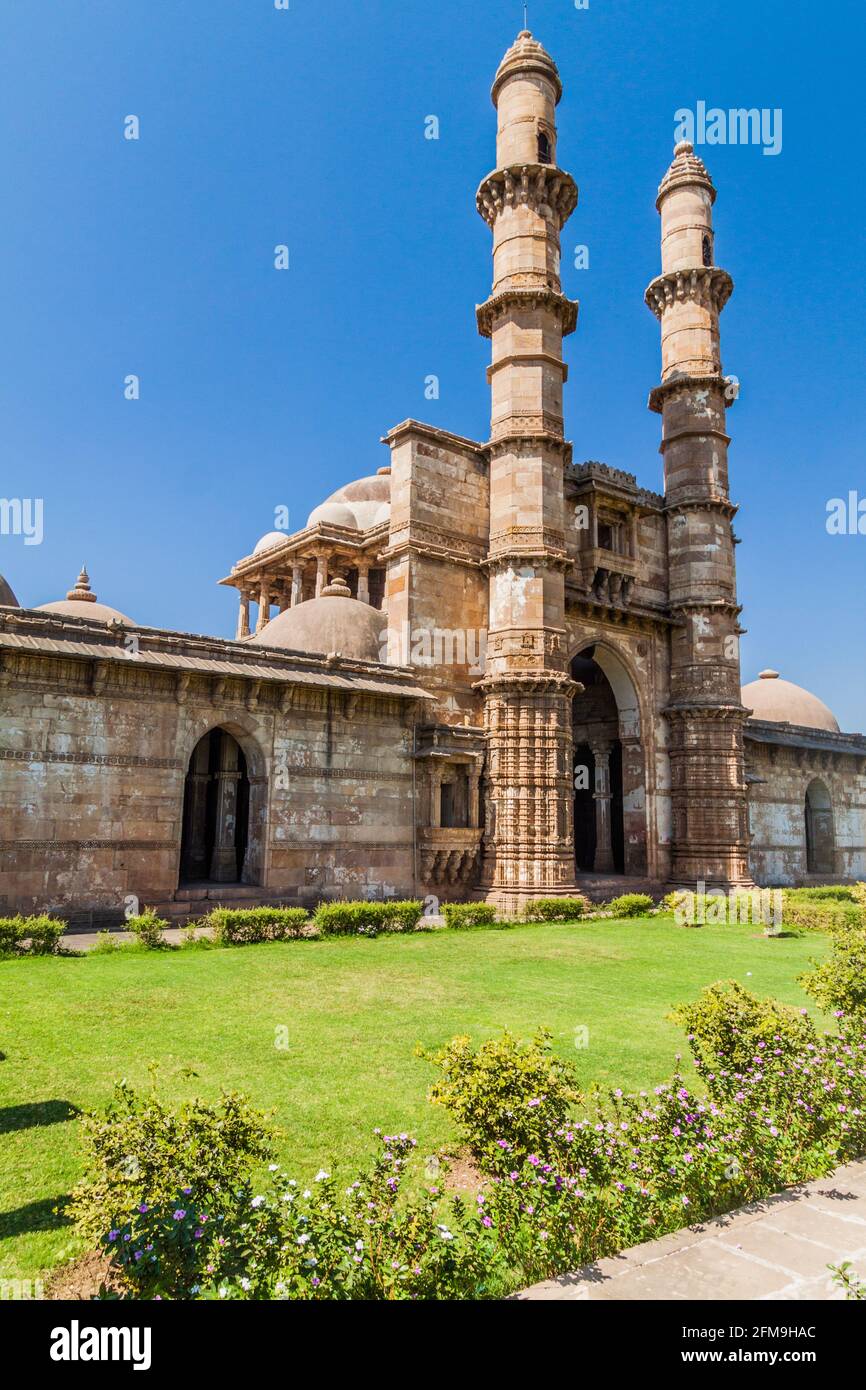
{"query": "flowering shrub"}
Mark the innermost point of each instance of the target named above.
(729, 1024)
(556, 909)
(839, 982)
(366, 919)
(469, 914)
(248, 925)
(368, 1241)
(148, 928)
(142, 1153)
(35, 936)
(506, 1095)
(630, 905)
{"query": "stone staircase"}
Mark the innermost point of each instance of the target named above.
(602, 887)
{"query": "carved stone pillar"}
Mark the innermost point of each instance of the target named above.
(364, 583)
(297, 584)
(603, 798)
(321, 573)
(474, 784)
(224, 861)
(264, 606)
(436, 797)
(195, 865)
(244, 615)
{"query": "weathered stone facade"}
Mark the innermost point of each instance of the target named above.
(492, 670)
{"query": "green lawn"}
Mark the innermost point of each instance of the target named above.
(353, 1010)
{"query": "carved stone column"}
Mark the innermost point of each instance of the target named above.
(364, 583)
(474, 798)
(243, 629)
(297, 584)
(224, 861)
(603, 797)
(435, 797)
(264, 606)
(321, 573)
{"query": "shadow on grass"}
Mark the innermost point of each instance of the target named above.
(37, 1113)
(46, 1215)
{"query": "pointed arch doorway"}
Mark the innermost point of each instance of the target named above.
(610, 804)
(820, 837)
(216, 812)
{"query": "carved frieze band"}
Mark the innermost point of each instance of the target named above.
(77, 845)
(33, 755)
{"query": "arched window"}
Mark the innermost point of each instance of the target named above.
(820, 837)
(544, 151)
(708, 250)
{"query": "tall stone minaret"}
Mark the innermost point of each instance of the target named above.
(529, 838)
(710, 837)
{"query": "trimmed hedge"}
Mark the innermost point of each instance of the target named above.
(248, 925)
(827, 915)
(367, 918)
(34, 936)
(469, 914)
(630, 905)
(556, 909)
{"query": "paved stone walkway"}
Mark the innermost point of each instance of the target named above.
(778, 1249)
(86, 940)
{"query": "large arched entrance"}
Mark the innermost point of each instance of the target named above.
(609, 778)
(820, 837)
(216, 810)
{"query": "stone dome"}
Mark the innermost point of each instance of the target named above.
(782, 702)
(270, 539)
(7, 598)
(333, 514)
(334, 622)
(366, 500)
(81, 602)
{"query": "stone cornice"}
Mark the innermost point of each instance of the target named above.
(724, 505)
(539, 682)
(543, 188)
(637, 615)
(685, 382)
(398, 433)
(513, 439)
(527, 359)
(707, 286)
(526, 297)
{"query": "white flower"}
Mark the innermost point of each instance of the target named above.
(245, 1284)
(272, 1167)
(302, 1240)
(359, 1245)
(321, 1175)
(257, 1202)
(308, 1193)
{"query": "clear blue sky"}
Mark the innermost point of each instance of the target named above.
(261, 388)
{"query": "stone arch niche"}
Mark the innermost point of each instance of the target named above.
(820, 835)
(224, 810)
(610, 822)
